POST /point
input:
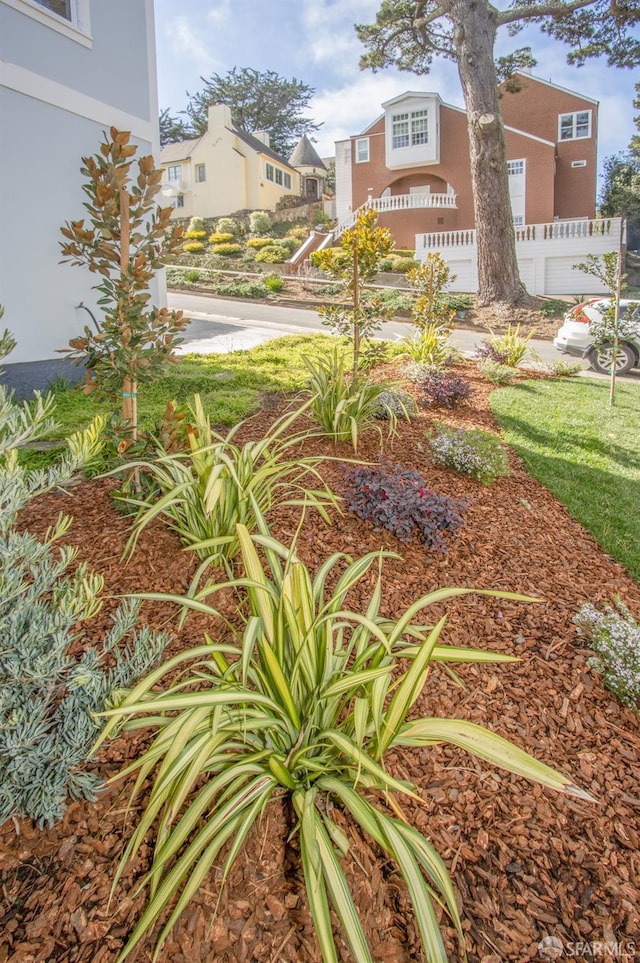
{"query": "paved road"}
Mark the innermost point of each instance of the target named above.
(219, 325)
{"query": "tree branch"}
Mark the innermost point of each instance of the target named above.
(556, 8)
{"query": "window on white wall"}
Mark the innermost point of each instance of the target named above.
(201, 173)
(174, 172)
(270, 172)
(515, 167)
(69, 17)
(518, 220)
(419, 127)
(279, 176)
(180, 200)
(287, 181)
(362, 150)
(400, 132)
(575, 126)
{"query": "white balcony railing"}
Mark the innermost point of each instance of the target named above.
(397, 202)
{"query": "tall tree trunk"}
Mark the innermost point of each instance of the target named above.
(475, 34)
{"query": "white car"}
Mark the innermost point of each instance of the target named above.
(574, 337)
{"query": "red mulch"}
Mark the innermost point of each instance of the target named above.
(526, 862)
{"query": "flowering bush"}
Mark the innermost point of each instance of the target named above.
(473, 452)
(615, 636)
(443, 388)
(397, 498)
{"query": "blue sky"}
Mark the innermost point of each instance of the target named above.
(314, 41)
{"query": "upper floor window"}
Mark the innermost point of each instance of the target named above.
(68, 17)
(174, 173)
(410, 129)
(180, 200)
(575, 126)
(201, 173)
(287, 181)
(515, 167)
(279, 176)
(362, 150)
(270, 172)
(400, 130)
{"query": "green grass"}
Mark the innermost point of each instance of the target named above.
(584, 451)
(230, 385)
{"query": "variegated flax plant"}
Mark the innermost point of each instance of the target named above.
(305, 702)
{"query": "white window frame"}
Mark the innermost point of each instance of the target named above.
(78, 28)
(269, 172)
(400, 130)
(419, 117)
(515, 167)
(279, 173)
(174, 173)
(574, 125)
(518, 220)
(579, 163)
(362, 150)
(200, 169)
(287, 181)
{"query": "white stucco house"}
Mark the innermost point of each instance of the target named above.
(66, 75)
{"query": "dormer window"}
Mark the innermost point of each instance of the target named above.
(412, 136)
(410, 129)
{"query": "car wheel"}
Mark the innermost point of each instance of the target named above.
(601, 357)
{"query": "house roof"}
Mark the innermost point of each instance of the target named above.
(257, 145)
(305, 154)
(548, 83)
(178, 151)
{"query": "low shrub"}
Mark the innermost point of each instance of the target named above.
(472, 451)
(566, 369)
(398, 500)
(290, 243)
(385, 264)
(428, 345)
(227, 225)
(394, 403)
(553, 308)
(273, 254)
(194, 235)
(401, 265)
(227, 250)
(443, 388)
(404, 252)
(459, 302)
(193, 247)
(259, 242)
(220, 237)
(196, 225)
(497, 373)
(509, 348)
(259, 222)
(192, 276)
(242, 289)
(300, 233)
(390, 297)
(274, 283)
(615, 636)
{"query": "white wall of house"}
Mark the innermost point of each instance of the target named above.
(61, 85)
(344, 190)
(546, 254)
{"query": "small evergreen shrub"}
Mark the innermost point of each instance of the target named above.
(394, 403)
(398, 499)
(566, 369)
(459, 302)
(290, 243)
(259, 222)
(196, 225)
(443, 388)
(193, 247)
(385, 264)
(615, 636)
(192, 276)
(194, 235)
(404, 252)
(227, 225)
(273, 254)
(227, 250)
(242, 289)
(274, 283)
(259, 242)
(553, 308)
(473, 452)
(401, 265)
(498, 374)
(220, 237)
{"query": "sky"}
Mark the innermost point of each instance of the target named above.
(314, 41)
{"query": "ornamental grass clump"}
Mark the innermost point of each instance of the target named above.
(510, 348)
(302, 704)
(398, 499)
(615, 636)
(428, 345)
(472, 451)
(217, 484)
(444, 389)
(344, 403)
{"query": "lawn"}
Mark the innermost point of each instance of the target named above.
(584, 451)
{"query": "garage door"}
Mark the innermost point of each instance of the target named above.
(561, 278)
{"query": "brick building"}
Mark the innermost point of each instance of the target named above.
(413, 161)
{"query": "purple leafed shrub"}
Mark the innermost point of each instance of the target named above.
(486, 351)
(444, 388)
(397, 498)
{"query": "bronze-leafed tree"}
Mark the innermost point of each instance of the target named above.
(409, 35)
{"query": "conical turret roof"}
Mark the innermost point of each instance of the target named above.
(305, 155)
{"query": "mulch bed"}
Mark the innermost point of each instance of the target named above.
(525, 861)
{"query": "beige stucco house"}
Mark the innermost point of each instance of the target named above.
(225, 170)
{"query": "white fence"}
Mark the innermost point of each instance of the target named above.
(397, 202)
(546, 254)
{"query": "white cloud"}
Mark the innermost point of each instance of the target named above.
(187, 41)
(220, 13)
